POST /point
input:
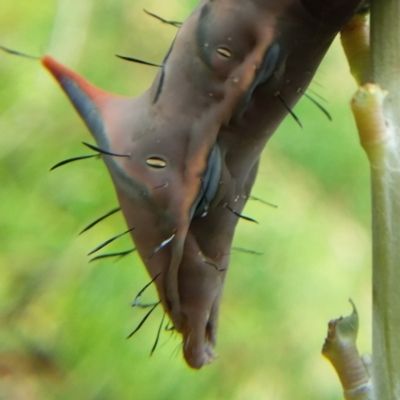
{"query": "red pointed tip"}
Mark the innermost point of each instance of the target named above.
(107, 116)
(62, 73)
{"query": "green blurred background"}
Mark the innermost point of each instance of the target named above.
(63, 321)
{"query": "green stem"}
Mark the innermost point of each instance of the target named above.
(385, 172)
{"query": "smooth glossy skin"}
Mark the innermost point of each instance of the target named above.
(195, 137)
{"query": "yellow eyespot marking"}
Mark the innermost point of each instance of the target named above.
(224, 52)
(156, 162)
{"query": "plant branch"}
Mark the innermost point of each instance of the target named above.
(377, 117)
(341, 350)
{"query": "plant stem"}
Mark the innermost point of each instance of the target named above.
(384, 156)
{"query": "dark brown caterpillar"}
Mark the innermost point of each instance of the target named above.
(183, 156)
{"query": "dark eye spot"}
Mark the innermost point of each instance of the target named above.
(224, 52)
(156, 162)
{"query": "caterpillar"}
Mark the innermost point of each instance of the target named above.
(184, 155)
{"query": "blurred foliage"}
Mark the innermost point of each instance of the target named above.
(63, 321)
